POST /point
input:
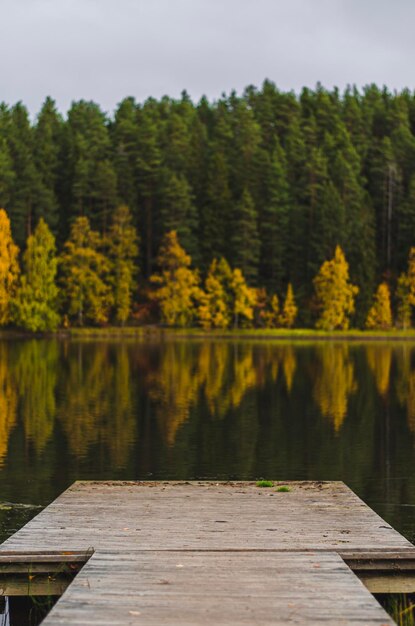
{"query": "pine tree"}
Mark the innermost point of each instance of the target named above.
(245, 241)
(178, 288)
(334, 292)
(35, 306)
(273, 222)
(289, 309)
(380, 314)
(177, 212)
(85, 275)
(122, 246)
(9, 267)
(47, 145)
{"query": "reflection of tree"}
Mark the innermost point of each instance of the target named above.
(120, 427)
(35, 370)
(222, 372)
(334, 382)
(379, 359)
(97, 406)
(289, 365)
(8, 402)
(174, 387)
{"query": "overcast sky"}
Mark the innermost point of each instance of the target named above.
(105, 50)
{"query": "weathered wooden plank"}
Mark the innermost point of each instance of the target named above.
(195, 588)
(207, 516)
(213, 553)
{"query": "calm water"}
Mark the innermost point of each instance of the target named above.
(214, 409)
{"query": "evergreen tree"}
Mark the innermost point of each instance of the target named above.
(85, 275)
(122, 245)
(274, 223)
(9, 267)
(35, 306)
(46, 152)
(177, 212)
(335, 294)
(245, 241)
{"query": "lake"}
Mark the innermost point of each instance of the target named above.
(206, 409)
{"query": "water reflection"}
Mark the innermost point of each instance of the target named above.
(187, 409)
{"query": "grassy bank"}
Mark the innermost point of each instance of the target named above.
(160, 333)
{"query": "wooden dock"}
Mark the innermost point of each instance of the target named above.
(212, 553)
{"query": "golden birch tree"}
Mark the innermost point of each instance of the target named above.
(9, 267)
(380, 314)
(289, 309)
(122, 246)
(213, 311)
(335, 294)
(85, 271)
(177, 284)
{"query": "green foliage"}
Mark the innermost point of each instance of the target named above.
(265, 483)
(283, 489)
(35, 306)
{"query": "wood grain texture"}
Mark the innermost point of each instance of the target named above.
(211, 553)
(207, 516)
(200, 588)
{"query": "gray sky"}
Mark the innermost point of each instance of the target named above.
(108, 49)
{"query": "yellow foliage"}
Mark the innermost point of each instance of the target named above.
(85, 272)
(335, 294)
(244, 298)
(380, 314)
(289, 365)
(289, 310)
(271, 316)
(334, 382)
(213, 311)
(9, 267)
(178, 291)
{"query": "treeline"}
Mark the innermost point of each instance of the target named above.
(94, 280)
(271, 181)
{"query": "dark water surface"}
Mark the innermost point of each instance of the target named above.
(206, 409)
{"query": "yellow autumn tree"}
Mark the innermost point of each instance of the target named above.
(9, 267)
(178, 289)
(85, 275)
(271, 315)
(213, 311)
(380, 314)
(335, 293)
(244, 298)
(289, 309)
(122, 244)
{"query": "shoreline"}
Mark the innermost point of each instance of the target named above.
(161, 334)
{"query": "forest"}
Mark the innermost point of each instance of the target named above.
(254, 194)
